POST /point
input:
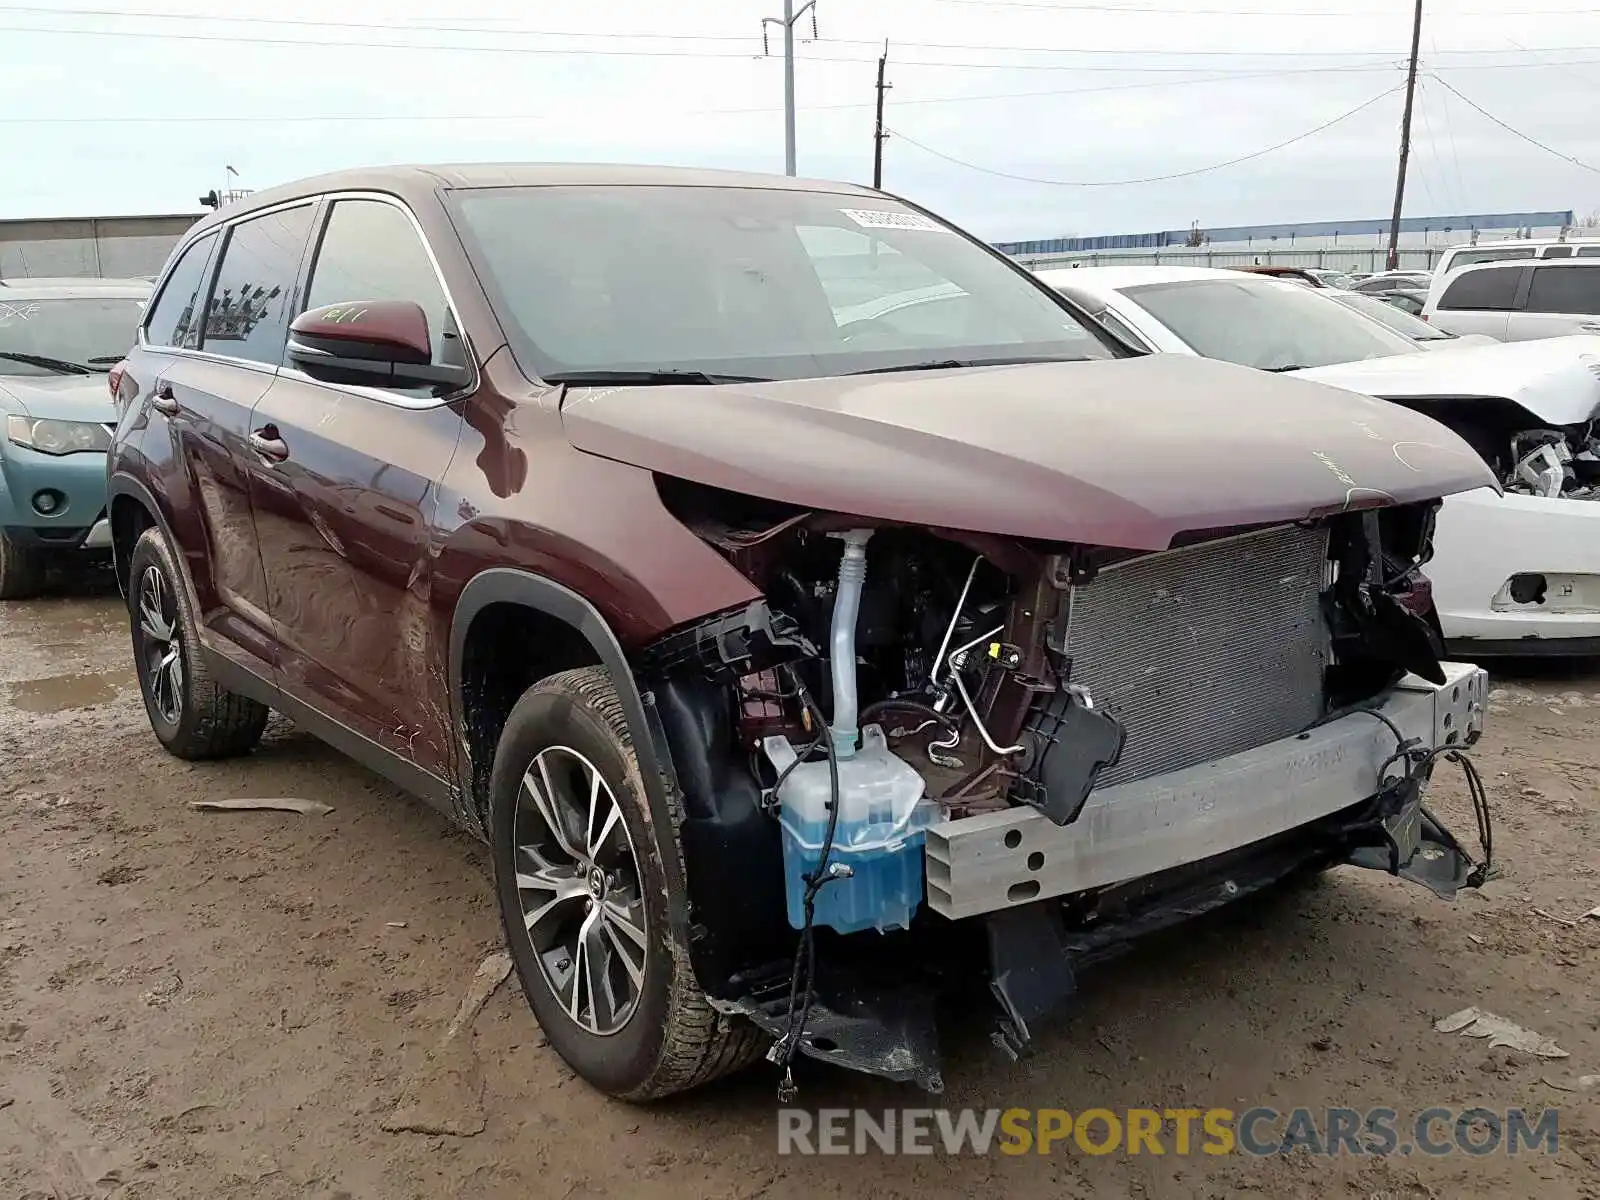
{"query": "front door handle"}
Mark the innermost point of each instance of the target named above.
(269, 446)
(163, 401)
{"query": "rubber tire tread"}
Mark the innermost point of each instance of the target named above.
(215, 723)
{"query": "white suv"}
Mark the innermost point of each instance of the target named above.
(1518, 301)
(1457, 257)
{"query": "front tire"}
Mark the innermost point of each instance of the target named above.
(582, 889)
(21, 571)
(192, 715)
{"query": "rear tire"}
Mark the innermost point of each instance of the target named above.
(192, 715)
(574, 845)
(21, 571)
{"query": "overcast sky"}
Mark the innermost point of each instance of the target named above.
(129, 106)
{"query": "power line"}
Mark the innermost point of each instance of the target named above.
(313, 118)
(1299, 137)
(390, 27)
(1511, 129)
(585, 51)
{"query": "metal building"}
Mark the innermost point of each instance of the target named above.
(1338, 245)
(112, 247)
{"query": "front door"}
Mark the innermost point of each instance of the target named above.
(344, 486)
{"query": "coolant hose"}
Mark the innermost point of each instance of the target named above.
(846, 609)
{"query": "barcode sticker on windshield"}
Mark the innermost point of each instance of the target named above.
(873, 218)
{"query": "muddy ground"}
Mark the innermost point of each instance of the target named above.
(233, 1005)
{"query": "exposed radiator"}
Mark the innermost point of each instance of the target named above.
(1204, 651)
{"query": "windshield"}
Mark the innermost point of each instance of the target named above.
(67, 335)
(1396, 319)
(749, 282)
(1264, 323)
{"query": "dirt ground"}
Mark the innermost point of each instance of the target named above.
(233, 1004)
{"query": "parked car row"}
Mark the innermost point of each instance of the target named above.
(1515, 571)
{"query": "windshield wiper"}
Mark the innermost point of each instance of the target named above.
(1290, 367)
(60, 365)
(949, 364)
(647, 378)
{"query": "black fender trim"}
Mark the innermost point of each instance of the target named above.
(508, 585)
(122, 484)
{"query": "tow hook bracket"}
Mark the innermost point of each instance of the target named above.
(1030, 973)
(1403, 839)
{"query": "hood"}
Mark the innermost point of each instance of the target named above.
(1124, 452)
(59, 397)
(1556, 379)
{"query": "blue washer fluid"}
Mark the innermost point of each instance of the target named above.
(879, 835)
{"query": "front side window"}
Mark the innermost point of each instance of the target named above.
(1557, 252)
(1264, 323)
(1574, 290)
(755, 282)
(1484, 291)
(248, 316)
(76, 335)
(371, 251)
(172, 318)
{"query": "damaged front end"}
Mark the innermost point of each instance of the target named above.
(934, 764)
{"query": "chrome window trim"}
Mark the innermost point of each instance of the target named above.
(371, 393)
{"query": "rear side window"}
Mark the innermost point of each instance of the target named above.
(172, 317)
(371, 251)
(1565, 290)
(248, 316)
(1491, 291)
(1557, 252)
(1589, 251)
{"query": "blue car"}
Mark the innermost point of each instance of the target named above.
(58, 340)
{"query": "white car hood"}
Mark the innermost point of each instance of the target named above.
(1556, 379)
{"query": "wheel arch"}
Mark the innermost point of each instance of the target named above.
(133, 508)
(498, 589)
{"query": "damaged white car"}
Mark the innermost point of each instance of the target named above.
(1516, 573)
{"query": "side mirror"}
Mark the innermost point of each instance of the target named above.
(378, 343)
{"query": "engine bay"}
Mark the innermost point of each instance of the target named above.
(896, 677)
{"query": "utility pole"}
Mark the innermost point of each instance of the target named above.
(791, 14)
(879, 137)
(1393, 260)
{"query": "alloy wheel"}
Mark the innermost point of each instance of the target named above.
(580, 890)
(161, 649)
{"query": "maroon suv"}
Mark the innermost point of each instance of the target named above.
(817, 616)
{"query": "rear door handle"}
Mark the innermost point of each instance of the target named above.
(163, 401)
(272, 449)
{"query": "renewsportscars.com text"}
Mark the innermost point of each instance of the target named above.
(1259, 1132)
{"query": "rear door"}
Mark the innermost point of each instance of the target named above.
(1477, 301)
(241, 343)
(344, 500)
(225, 343)
(1561, 298)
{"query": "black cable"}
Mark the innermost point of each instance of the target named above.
(911, 706)
(805, 951)
(1416, 758)
(771, 793)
